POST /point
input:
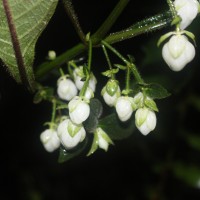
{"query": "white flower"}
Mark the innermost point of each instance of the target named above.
(187, 10)
(110, 100)
(145, 120)
(78, 75)
(66, 89)
(125, 107)
(103, 139)
(89, 94)
(79, 110)
(70, 134)
(50, 140)
(177, 52)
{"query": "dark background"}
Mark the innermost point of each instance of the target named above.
(162, 165)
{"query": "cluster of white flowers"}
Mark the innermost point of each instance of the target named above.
(178, 51)
(145, 118)
(70, 132)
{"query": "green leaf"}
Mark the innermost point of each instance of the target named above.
(21, 24)
(156, 91)
(66, 155)
(115, 129)
(96, 109)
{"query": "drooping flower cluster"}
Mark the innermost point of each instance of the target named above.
(178, 51)
(145, 118)
(69, 131)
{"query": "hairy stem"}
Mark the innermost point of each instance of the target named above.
(74, 19)
(151, 24)
(16, 45)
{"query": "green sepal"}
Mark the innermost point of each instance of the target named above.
(44, 93)
(127, 92)
(190, 35)
(112, 87)
(149, 103)
(73, 129)
(122, 67)
(164, 37)
(131, 58)
(110, 72)
(106, 138)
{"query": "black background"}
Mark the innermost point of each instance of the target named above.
(125, 172)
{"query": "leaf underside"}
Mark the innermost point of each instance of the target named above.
(21, 23)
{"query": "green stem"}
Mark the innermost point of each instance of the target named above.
(74, 19)
(147, 25)
(63, 58)
(84, 88)
(172, 8)
(128, 78)
(53, 113)
(90, 55)
(61, 72)
(150, 24)
(108, 61)
(129, 64)
(108, 23)
(136, 74)
(115, 52)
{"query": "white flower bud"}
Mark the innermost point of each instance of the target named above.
(125, 107)
(145, 120)
(66, 89)
(51, 55)
(78, 75)
(110, 100)
(79, 110)
(70, 134)
(187, 10)
(178, 52)
(89, 94)
(139, 99)
(50, 140)
(103, 139)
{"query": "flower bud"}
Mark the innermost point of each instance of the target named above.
(79, 110)
(70, 134)
(51, 55)
(139, 99)
(110, 100)
(66, 89)
(78, 75)
(145, 120)
(125, 107)
(177, 52)
(89, 94)
(103, 139)
(187, 10)
(112, 87)
(50, 140)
